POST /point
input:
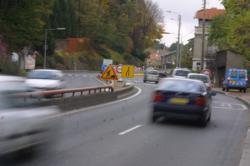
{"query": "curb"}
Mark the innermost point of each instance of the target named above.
(238, 98)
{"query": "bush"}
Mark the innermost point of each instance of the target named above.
(7, 67)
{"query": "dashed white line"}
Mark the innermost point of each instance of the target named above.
(130, 130)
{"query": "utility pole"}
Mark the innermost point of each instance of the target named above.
(45, 48)
(178, 42)
(79, 18)
(203, 35)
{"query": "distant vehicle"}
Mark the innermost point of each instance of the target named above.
(235, 79)
(151, 75)
(45, 79)
(119, 69)
(182, 98)
(202, 77)
(180, 72)
(162, 75)
(22, 124)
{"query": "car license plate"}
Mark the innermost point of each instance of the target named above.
(180, 101)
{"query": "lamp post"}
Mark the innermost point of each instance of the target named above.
(178, 57)
(203, 35)
(45, 42)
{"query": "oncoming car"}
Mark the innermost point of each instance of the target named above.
(182, 98)
(23, 124)
(45, 79)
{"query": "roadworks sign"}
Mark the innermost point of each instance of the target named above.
(109, 74)
(128, 71)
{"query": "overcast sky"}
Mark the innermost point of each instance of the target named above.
(187, 9)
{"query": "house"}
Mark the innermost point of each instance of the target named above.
(210, 50)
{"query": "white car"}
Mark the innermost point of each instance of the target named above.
(202, 77)
(22, 124)
(45, 79)
(180, 72)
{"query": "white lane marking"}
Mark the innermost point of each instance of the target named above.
(229, 106)
(129, 130)
(98, 106)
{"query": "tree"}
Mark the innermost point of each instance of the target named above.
(231, 30)
(64, 15)
(23, 21)
(187, 54)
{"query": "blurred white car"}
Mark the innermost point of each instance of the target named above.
(22, 124)
(45, 79)
(202, 77)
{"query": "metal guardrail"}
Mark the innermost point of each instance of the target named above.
(73, 91)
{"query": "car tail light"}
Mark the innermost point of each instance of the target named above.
(200, 101)
(158, 97)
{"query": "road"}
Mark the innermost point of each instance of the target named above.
(81, 79)
(120, 134)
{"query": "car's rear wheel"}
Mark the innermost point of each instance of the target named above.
(223, 89)
(204, 120)
(153, 118)
(144, 81)
(156, 82)
(245, 90)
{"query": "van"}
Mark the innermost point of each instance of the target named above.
(235, 79)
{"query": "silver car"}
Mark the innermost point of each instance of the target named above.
(22, 124)
(45, 79)
(151, 75)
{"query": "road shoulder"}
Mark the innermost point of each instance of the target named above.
(245, 156)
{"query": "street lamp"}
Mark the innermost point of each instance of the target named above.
(178, 64)
(45, 42)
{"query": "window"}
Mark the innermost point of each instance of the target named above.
(181, 86)
(200, 77)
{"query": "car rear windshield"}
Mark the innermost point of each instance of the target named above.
(181, 86)
(152, 72)
(182, 73)
(199, 77)
(42, 75)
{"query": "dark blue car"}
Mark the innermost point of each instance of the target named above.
(182, 98)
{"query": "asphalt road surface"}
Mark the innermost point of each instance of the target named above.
(81, 79)
(120, 134)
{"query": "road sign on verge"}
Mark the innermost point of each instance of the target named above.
(109, 74)
(128, 71)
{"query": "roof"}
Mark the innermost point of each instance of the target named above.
(183, 79)
(198, 74)
(185, 69)
(209, 14)
(7, 78)
(51, 70)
